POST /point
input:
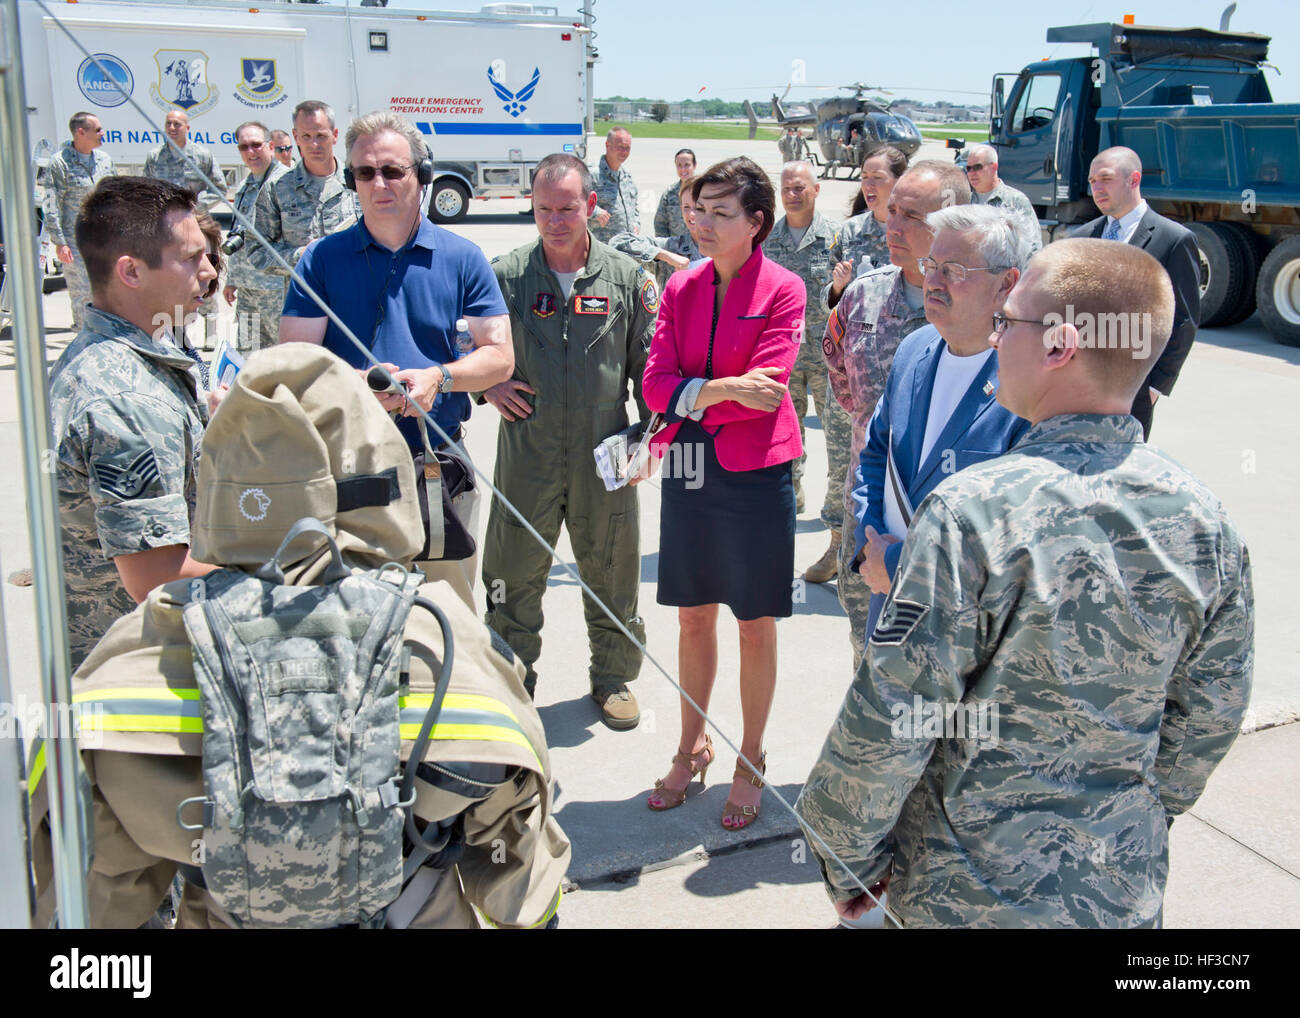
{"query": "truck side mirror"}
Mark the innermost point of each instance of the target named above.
(998, 98)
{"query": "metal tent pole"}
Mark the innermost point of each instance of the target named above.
(69, 818)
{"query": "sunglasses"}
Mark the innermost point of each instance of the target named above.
(251, 146)
(282, 149)
(975, 167)
(367, 173)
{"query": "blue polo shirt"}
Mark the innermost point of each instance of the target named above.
(402, 304)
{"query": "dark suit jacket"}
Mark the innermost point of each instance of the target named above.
(978, 430)
(1174, 247)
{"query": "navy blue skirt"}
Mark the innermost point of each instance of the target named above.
(725, 537)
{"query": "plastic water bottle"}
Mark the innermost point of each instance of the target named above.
(464, 341)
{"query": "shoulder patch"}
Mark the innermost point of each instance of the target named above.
(834, 332)
(130, 480)
(897, 621)
(650, 295)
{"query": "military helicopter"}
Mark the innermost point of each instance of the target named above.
(848, 129)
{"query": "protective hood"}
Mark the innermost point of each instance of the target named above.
(300, 434)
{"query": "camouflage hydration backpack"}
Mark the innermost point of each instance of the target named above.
(304, 805)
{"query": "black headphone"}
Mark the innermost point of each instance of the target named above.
(423, 172)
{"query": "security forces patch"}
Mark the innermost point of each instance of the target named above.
(128, 481)
(897, 620)
(584, 305)
(650, 296)
(545, 306)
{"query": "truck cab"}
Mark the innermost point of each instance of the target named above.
(1218, 155)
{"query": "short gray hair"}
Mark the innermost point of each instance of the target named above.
(800, 164)
(995, 235)
(379, 122)
(558, 165)
(266, 131)
(977, 151)
(311, 107)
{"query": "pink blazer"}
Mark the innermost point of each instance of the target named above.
(760, 325)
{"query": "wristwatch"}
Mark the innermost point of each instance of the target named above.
(446, 379)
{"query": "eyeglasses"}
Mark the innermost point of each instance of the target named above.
(1002, 322)
(251, 146)
(367, 173)
(955, 272)
(282, 149)
(975, 167)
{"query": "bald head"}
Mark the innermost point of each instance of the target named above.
(1115, 178)
(1106, 310)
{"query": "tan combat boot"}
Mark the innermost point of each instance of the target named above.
(828, 566)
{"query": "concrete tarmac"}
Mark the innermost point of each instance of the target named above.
(1233, 861)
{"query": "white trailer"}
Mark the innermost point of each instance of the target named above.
(493, 90)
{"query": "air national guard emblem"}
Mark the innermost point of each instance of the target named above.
(129, 481)
(183, 81)
(257, 84)
(584, 305)
(514, 102)
(545, 306)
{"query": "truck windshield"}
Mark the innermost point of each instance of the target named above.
(1036, 105)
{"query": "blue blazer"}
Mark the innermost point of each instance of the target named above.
(979, 429)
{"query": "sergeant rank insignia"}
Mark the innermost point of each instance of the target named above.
(897, 620)
(545, 306)
(129, 481)
(584, 305)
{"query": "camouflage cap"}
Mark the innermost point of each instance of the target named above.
(299, 430)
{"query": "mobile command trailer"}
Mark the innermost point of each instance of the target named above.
(493, 91)
(1218, 155)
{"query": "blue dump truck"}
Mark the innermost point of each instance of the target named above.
(1218, 155)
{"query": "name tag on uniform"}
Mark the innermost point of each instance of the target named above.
(583, 305)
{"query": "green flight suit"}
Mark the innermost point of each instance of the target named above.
(579, 353)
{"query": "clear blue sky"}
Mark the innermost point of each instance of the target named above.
(741, 49)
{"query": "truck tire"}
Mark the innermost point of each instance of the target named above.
(1223, 271)
(1253, 246)
(1278, 292)
(449, 202)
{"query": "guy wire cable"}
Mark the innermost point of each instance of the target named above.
(251, 230)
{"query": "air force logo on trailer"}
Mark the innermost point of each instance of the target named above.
(514, 101)
(183, 81)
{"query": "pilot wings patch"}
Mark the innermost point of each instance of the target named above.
(130, 480)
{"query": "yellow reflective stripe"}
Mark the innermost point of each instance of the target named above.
(460, 701)
(38, 770)
(136, 693)
(140, 723)
(482, 733)
(555, 904)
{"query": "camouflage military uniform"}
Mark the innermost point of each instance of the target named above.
(292, 211)
(260, 295)
(811, 261)
(164, 164)
(1094, 601)
(616, 194)
(862, 242)
(1021, 212)
(69, 177)
(668, 217)
(785, 145)
(863, 332)
(128, 423)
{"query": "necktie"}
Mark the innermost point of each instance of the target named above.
(1112, 231)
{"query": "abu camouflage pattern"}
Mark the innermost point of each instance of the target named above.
(301, 747)
(862, 242)
(616, 194)
(240, 269)
(669, 221)
(259, 293)
(184, 170)
(1096, 597)
(1019, 210)
(812, 262)
(862, 335)
(128, 424)
(69, 177)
